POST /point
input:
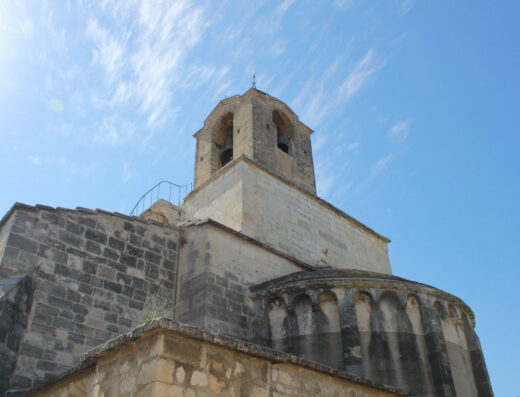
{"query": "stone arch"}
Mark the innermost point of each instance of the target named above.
(328, 303)
(277, 317)
(384, 346)
(458, 355)
(330, 346)
(435, 313)
(453, 313)
(416, 363)
(439, 309)
(284, 131)
(364, 305)
(369, 293)
(302, 304)
(223, 138)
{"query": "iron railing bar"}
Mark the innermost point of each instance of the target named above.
(181, 189)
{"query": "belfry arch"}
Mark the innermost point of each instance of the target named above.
(223, 138)
(284, 131)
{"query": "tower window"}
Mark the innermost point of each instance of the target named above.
(284, 133)
(223, 138)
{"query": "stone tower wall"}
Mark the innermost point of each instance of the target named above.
(95, 275)
(297, 166)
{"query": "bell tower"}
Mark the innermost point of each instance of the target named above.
(262, 128)
(254, 174)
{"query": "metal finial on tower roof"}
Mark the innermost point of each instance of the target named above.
(254, 81)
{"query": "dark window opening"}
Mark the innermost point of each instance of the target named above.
(224, 138)
(284, 132)
(226, 154)
(283, 143)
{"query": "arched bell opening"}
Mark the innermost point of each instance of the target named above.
(284, 132)
(223, 138)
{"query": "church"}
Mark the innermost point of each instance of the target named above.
(259, 286)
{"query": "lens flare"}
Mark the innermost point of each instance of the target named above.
(56, 105)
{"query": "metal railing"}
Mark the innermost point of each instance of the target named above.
(170, 192)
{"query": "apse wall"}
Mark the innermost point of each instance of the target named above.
(389, 330)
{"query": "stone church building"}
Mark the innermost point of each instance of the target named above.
(268, 290)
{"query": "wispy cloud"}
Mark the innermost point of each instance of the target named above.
(108, 51)
(321, 95)
(406, 6)
(114, 131)
(47, 160)
(143, 55)
(284, 6)
(277, 48)
(127, 174)
(379, 166)
(353, 145)
(399, 131)
(343, 4)
(359, 75)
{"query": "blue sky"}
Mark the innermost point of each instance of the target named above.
(415, 107)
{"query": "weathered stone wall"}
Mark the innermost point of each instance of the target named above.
(390, 330)
(216, 267)
(165, 363)
(15, 305)
(248, 199)
(95, 275)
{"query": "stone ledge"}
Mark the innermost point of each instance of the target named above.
(166, 325)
